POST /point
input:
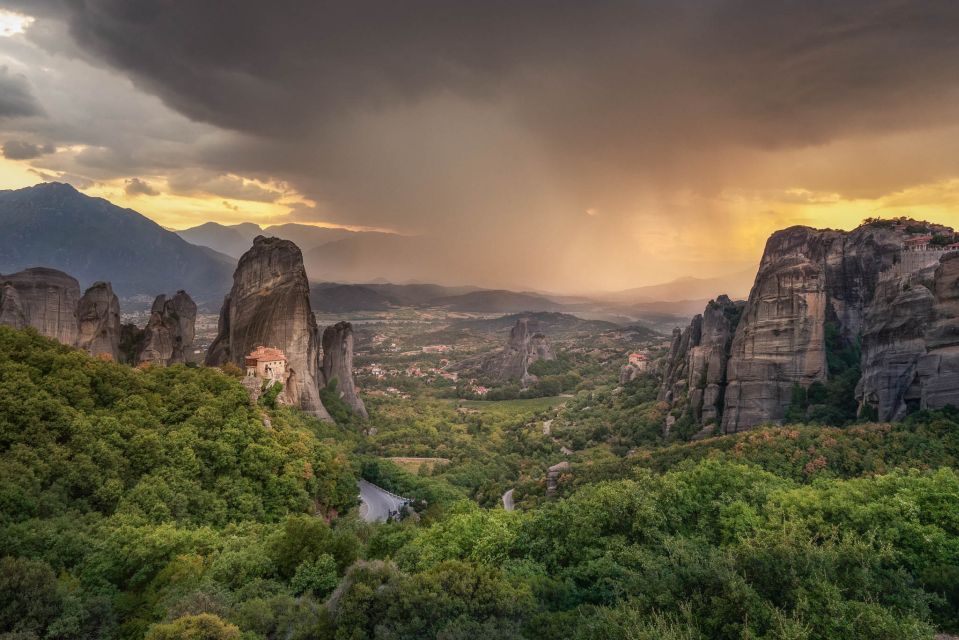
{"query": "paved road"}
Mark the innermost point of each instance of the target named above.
(508, 500)
(377, 504)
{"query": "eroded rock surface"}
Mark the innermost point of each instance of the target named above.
(822, 292)
(11, 309)
(269, 305)
(911, 342)
(170, 331)
(45, 299)
(806, 278)
(526, 345)
(338, 364)
(98, 318)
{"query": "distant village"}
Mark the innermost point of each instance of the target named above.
(428, 374)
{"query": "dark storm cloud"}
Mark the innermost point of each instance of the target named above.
(612, 91)
(21, 150)
(16, 98)
(462, 119)
(137, 187)
(778, 72)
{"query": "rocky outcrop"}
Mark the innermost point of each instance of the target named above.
(696, 363)
(818, 295)
(628, 373)
(675, 371)
(45, 299)
(338, 365)
(269, 305)
(939, 367)
(553, 475)
(49, 301)
(12, 313)
(170, 331)
(807, 278)
(98, 318)
(526, 345)
(707, 360)
(910, 343)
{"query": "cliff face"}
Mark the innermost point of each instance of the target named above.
(911, 342)
(269, 305)
(12, 313)
(696, 363)
(170, 331)
(675, 373)
(98, 317)
(806, 278)
(338, 364)
(45, 299)
(526, 345)
(939, 367)
(816, 291)
(708, 359)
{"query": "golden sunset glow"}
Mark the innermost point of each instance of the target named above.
(15, 175)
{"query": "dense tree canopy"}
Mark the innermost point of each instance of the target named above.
(159, 504)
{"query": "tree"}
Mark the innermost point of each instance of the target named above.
(29, 597)
(317, 577)
(204, 626)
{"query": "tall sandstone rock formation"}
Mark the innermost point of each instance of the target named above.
(169, 333)
(911, 342)
(45, 299)
(697, 359)
(813, 287)
(806, 278)
(526, 345)
(338, 364)
(49, 301)
(98, 318)
(269, 305)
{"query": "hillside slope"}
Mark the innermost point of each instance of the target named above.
(54, 225)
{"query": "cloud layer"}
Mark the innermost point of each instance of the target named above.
(15, 96)
(560, 144)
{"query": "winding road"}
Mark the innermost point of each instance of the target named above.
(377, 504)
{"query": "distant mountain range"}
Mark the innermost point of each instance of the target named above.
(234, 240)
(54, 225)
(735, 285)
(330, 297)
(343, 298)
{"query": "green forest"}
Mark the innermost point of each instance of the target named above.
(159, 503)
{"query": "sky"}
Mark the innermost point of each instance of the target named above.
(566, 146)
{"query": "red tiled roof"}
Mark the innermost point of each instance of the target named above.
(267, 354)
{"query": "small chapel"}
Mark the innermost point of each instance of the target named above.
(266, 363)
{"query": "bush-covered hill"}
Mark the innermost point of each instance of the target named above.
(167, 444)
(157, 504)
